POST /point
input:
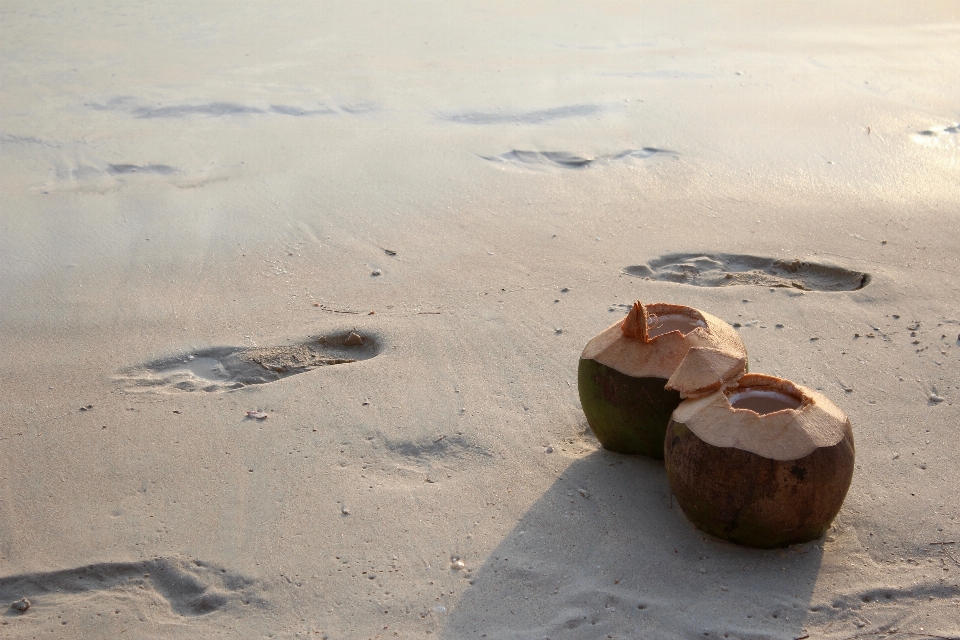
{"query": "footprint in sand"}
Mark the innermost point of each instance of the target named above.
(97, 176)
(724, 270)
(188, 587)
(538, 116)
(937, 136)
(226, 368)
(566, 160)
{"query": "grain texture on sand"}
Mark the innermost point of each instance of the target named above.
(191, 177)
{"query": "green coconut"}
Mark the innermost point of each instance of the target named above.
(764, 463)
(624, 370)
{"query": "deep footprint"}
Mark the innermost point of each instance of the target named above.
(226, 368)
(566, 160)
(190, 587)
(724, 270)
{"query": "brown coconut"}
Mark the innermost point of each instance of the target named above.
(623, 372)
(764, 463)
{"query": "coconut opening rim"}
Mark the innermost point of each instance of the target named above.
(682, 323)
(777, 400)
(626, 346)
(658, 310)
(762, 385)
(786, 434)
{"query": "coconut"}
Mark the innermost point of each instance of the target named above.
(764, 463)
(623, 372)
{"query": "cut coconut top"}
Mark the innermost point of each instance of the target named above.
(654, 339)
(765, 415)
(705, 370)
(659, 325)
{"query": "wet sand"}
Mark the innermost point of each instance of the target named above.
(193, 196)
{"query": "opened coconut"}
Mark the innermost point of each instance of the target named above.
(623, 372)
(764, 463)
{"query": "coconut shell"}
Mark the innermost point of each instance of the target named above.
(760, 480)
(705, 370)
(628, 415)
(623, 372)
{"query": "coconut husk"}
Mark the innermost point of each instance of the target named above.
(783, 435)
(705, 370)
(642, 356)
(760, 480)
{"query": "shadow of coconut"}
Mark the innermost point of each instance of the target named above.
(606, 552)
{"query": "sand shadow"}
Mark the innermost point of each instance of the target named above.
(129, 105)
(534, 160)
(947, 136)
(724, 270)
(539, 116)
(606, 552)
(227, 368)
(939, 131)
(189, 587)
(125, 169)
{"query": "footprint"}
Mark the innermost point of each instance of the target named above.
(6, 138)
(147, 110)
(937, 131)
(226, 368)
(566, 160)
(724, 270)
(947, 135)
(443, 448)
(122, 169)
(539, 116)
(75, 173)
(190, 587)
(186, 110)
(289, 110)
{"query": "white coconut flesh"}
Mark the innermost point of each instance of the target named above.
(767, 416)
(672, 332)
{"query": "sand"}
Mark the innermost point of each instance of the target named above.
(474, 189)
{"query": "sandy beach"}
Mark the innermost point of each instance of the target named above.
(391, 228)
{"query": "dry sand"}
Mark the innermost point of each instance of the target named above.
(223, 180)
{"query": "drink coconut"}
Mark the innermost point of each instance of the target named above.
(764, 463)
(623, 372)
